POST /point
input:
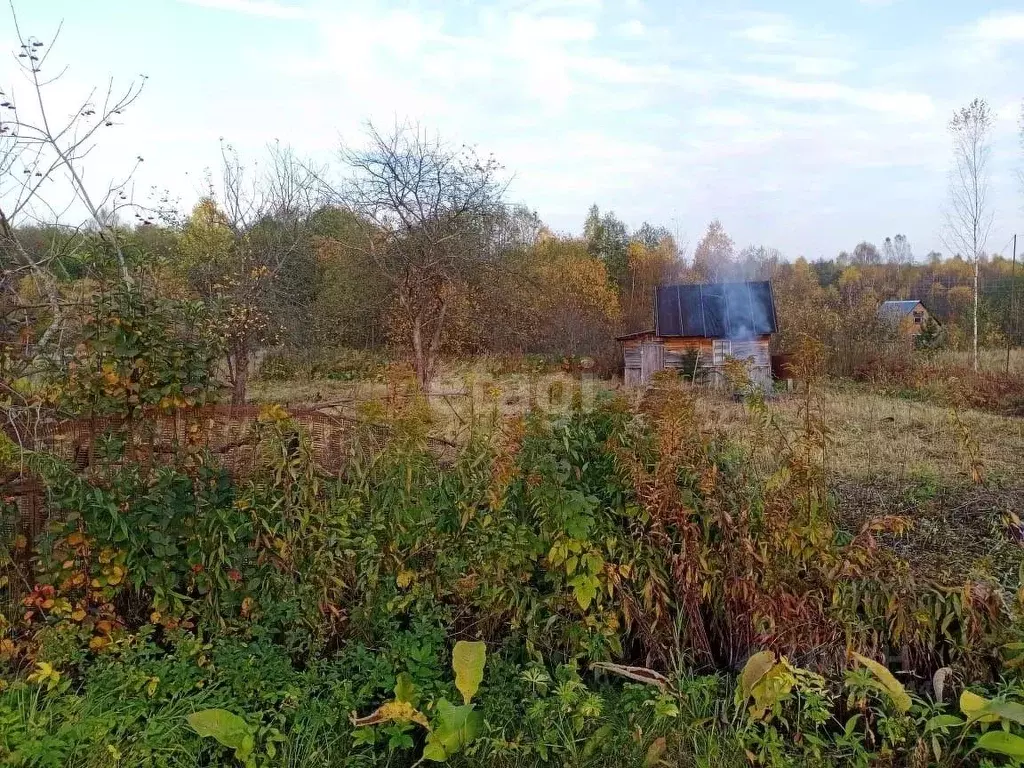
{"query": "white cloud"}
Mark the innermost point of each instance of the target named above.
(633, 28)
(804, 65)
(799, 132)
(722, 117)
(268, 8)
(999, 28)
(534, 30)
(1009, 112)
(771, 34)
(902, 103)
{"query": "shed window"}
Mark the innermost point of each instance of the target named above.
(720, 349)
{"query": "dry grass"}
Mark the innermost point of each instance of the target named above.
(291, 392)
(896, 457)
(461, 397)
(886, 456)
(872, 436)
(988, 359)
(875, 436)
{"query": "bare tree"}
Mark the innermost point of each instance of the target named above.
(969, 213)
(427, 211)
(43, 150)
(242, 249)
(897, 251)
(1020, 125)
(37, 149)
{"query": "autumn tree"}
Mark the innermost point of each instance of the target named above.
(651, 236)
(509, 292)
(865, 254)
(714, 255)
(55, 218)
(41, 143)
(757, 262)
(649, 265)
(969, 214)
(426, 212)
(607, 239)
(576, 304)
(247, 252)
(802, 306)
(351, 296)
(897, 250)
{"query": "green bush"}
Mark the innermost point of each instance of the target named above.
(580, 549)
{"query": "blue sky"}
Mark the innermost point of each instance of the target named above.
(806, 126)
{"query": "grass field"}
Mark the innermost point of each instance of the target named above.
(888, 456)
(871, 436)
(988, 359)
(901, 440)
(959, 476)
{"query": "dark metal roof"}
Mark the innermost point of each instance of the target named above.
(715, 310)
(897, 309)
(635, 335)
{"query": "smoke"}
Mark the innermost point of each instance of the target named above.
(740, 297)
(738, 310)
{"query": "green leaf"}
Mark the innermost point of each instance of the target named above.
(943, 721)
(228, 729)
(1002, 743)
(468, 662)
(757, 666)
(1007, 710)
(456, 727)
(434, 751)
(596, 740)
(244, 752)
(584, 590)
(404, 689)
(893, 687)
(976, 708)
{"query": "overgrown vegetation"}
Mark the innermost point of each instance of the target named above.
(608, 582)
(619, 565)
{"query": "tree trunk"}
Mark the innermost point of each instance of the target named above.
(975, 311)
(435, 343)
(419, 361)
(240, 380)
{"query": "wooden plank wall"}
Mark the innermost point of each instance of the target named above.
(638, 368)
(652, 359)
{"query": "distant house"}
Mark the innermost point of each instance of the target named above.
(910, 316)
(704, 325)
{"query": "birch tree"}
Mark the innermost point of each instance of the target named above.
(969, 213)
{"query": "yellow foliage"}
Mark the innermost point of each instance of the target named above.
(45, 675)
(397, 711)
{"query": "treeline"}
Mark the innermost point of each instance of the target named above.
(835, 301)
(416, 251)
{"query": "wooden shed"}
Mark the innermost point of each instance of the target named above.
(704, 325)
(910, 316)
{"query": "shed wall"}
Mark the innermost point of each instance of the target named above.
(644, 354)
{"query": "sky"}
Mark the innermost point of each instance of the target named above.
(803, 126)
